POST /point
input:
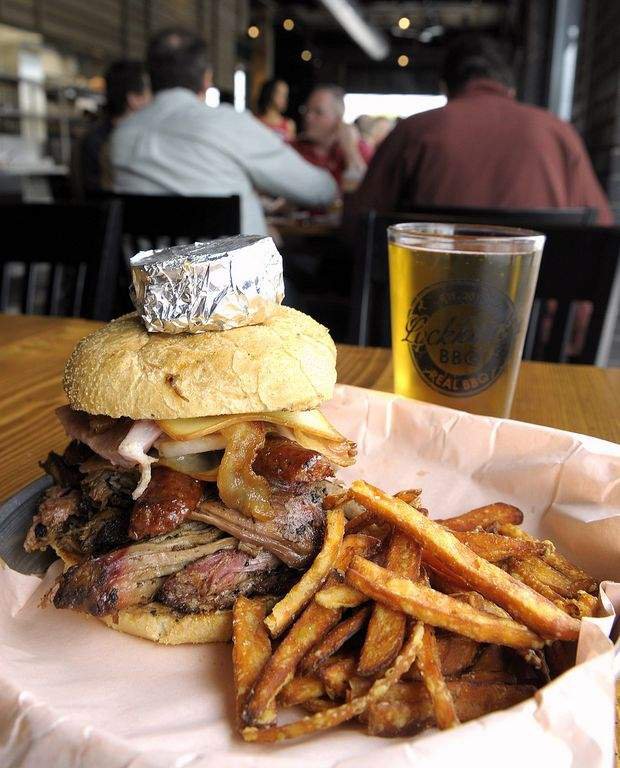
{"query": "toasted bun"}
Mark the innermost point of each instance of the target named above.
(160, 624)
(286, 363)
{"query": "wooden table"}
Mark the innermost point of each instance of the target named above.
(33, 351)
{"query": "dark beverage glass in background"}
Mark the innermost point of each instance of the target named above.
(461, 298)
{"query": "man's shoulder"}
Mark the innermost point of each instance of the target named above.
(545, 121)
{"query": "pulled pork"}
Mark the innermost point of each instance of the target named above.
(215, 581)
(132, 575)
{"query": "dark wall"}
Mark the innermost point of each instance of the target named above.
(596, 109)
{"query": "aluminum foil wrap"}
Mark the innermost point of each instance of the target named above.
(211, 286)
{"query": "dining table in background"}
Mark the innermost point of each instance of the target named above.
(33, 351)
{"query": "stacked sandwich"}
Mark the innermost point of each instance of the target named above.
(196, 472)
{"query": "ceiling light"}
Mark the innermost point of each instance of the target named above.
(306, 55)
(253, 32)
(367, 36)
(404, 22)
(288, 24)
(403, 60)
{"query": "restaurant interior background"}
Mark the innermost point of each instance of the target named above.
(387, 57)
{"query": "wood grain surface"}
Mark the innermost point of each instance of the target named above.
(33, 351)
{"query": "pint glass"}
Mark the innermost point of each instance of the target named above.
(461, 298)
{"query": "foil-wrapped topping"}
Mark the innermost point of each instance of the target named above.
(211, 286)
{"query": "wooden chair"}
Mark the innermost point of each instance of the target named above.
(79, 243)
(579, 264)
(153, 217)
(157, 221)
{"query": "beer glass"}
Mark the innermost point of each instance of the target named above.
(460, 299)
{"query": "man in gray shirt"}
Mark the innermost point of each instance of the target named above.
(179, 145)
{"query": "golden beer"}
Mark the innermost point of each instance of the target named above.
(461, 298)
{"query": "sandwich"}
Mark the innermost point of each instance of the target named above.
(196, 472)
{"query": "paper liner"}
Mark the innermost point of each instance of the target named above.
(74, 693)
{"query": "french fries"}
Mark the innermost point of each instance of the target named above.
(429, 665)
(495, 548)
(386, 628)
(437, 609)
(311, 626)
(330, 718)
(336, 675)
(340, 596)
(484, 517)
(554, 559)
(517, 598)
(471, 700)
(533, 570)
(335, 639)
(406, 624)
(456, 655)
(283, 612)
(300, 690)
(251, 651)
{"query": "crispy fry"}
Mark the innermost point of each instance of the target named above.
(335, 676)
(586, 603)
(442, 579)
(251, 649)
(435, 608)
(518, 599)
(554, 559)
(283, 612)
(429, 665)
(491, 659)
(483, 517)
(494, 547)
(332, 717)
(335, 639)
(300, 690)
(489, 676)
(355, 544)
(386, 628)
(403, 718)
(456, 654)
(317, 705)
(560, 657)
(533, 571)
(359, 522)
(410, 496)
(340, 596)
(311, 626)
(476, 600)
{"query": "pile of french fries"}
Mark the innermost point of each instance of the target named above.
(405, 623)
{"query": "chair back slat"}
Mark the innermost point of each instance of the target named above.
(177, 219)
(78, 246)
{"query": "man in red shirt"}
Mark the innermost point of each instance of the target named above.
(329, 142)
(483, 149)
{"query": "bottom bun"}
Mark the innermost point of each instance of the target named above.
(161, 624)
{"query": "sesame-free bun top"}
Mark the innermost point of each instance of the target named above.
(286, 363)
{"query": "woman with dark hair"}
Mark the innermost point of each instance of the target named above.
(271, 106)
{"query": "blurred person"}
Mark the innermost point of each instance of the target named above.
(127, 91)
(483, 149)
(179, 145)
(328, 142)
(373, 129)
(380, 130)
(270, 108)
